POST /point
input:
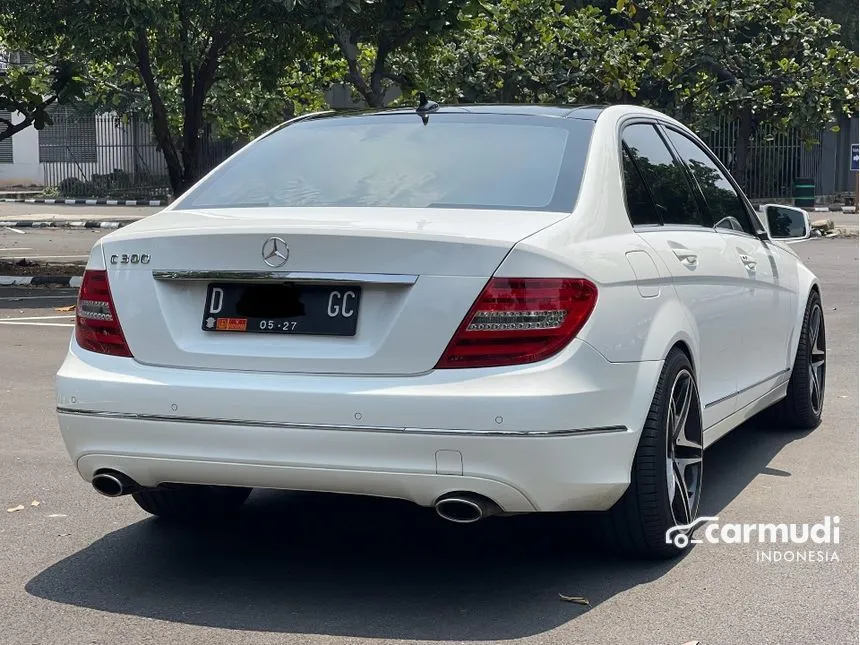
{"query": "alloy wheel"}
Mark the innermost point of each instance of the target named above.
(684, 448)
(817, 359)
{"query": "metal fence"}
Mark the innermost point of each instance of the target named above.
(778, 159)
(100, 155)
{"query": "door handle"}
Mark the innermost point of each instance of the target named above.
(686, 256)
(749, 263)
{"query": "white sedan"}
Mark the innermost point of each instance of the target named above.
(481, 309)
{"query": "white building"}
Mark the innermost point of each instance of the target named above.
(77, 145)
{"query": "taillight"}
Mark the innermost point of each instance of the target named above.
(520, 320)
(97, 327)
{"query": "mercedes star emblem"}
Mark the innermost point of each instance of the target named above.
(275, 252)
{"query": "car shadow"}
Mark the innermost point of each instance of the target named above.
(361, 567)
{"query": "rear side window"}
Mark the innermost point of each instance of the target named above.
(640, 206)
(665, 178)
(725, 207)
(480, 161)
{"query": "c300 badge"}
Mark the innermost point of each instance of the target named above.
(134, 258)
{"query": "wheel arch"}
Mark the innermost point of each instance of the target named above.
(671, 328)
(684, 347)
(807, 284)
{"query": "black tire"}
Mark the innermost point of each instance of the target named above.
(803, 404)
(637, 524)
(191, 503)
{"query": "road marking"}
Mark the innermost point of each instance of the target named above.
(17, 248)
(39, 317)
(41, 257)
(35, 324)
(14, 230)
(71, 296)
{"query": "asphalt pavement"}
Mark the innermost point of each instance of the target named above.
(58, 245)
(315, 569)
(48, 245)
(11, 211)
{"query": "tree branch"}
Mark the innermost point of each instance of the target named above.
(401, 80)
(14, 128)
(349, 50)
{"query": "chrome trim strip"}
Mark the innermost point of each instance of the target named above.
(298, 276)
(720, 400)
(517, 433)
(747, 388)
(350, 428)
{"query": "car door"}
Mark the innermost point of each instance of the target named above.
(706, 272)
(770, 281)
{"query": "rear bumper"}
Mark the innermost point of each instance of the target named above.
(557, 436)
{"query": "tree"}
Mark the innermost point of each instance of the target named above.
(534, 51)
(843, 13)
(177, 53)
(32, 88)
(369, 34)
(757, 61)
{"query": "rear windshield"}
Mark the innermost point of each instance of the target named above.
(455, 161)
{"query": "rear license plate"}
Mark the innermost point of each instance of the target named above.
(282, 309)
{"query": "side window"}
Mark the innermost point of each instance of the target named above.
(640, 206)
(724, 204)
(665, 178)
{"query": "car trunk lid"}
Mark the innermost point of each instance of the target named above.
(413, 273)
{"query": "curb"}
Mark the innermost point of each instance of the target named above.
(90, 202)
(820, 209)
(93, 223)
(834, 209)
(35, 280)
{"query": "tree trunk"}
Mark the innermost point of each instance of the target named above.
(191, 125)
(377, 91)
(742, 144)
(372, 91)
(160, 123)
(190, 119)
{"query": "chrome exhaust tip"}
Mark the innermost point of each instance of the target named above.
(465, 508)
(113, 484)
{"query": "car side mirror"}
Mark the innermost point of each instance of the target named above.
(787, 223)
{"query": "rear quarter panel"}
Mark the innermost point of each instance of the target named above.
(593, 243)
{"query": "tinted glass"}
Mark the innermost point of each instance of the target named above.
(724, 204)
(665, 178)
(785, 222)
(640, 207)
(394, 160)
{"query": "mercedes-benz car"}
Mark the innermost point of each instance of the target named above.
(486, 310)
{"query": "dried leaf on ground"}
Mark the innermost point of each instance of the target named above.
(579, 600)
(34, 503)
(20, 507)
(69, 308)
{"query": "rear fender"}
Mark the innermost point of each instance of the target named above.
(807, 281)
(626, 326)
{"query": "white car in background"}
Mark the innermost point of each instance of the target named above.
(482, 309)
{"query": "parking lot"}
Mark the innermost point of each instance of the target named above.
(301, 568)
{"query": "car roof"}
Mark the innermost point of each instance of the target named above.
(587, 112)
